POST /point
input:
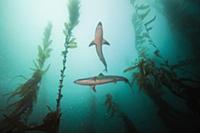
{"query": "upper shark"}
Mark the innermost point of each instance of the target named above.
(98, 42)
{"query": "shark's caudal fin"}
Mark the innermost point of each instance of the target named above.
(130, 85)
(92, 43)
(106, 69)
(105, 42)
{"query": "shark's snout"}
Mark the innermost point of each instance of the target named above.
(100, 23)
(76, 81)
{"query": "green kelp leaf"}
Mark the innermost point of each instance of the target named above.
(72, 40)
(142, 7)
(40, 51)
(73, 8)
(36, 64)
(72, 45)
(45, 70)
(142, 16)
(131, 68)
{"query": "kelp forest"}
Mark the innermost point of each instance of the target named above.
(172, 86)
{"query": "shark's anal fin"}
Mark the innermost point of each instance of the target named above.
(105, 42)
(94, 88)
(92, 43)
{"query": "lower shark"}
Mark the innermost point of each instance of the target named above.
(98, 42)
(101, 79)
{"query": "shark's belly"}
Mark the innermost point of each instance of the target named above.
(99, 36)
(98, 82)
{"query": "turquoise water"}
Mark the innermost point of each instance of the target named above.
(22, 24)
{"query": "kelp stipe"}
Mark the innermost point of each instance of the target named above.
(51, 121)
(70, 42)
(27, 92)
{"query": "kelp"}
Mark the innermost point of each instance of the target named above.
(51, 121)
(142, 29)
(110, 105)
(70, 42)
(152, 73)
(27, 91)
(128, 124)
(113, 110)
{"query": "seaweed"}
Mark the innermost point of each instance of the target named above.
(128, 124)
(152, 73)
(114, 110)
(110, 105)
(27, 91)
(70, 42)
(51, 121)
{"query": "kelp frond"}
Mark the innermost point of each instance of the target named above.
(152, 72)
(49, 125)
(114, 110)
(27, 92)
(74, 14)
(44, 50)
(51, 121)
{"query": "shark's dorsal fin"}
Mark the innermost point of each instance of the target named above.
(92, 43)
(105, 42)
(100, 75)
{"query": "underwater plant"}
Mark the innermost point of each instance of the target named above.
(114, 110)
(27, 92)
(152, 72)
(51, 121)
(70, 42)
(110, 105)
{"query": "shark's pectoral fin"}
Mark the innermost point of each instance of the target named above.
(94, 88)
(92, 43)
(105, 42)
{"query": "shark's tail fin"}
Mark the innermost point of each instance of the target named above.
(130, 85)
(106, 69)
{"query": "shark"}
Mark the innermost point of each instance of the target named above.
(98, 43)
(101, 79)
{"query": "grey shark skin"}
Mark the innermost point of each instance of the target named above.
(98, 42)
(99, 80)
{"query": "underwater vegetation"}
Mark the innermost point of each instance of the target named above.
(15, 122)
(114, 110)
(27, 92)
(51, 121)
(152, 72)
